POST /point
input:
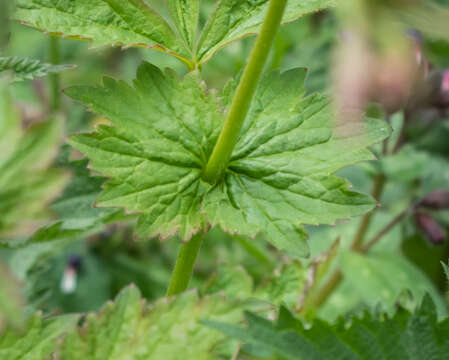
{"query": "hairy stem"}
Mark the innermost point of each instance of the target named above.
(244, 94)
(55, 59)
(182, 273)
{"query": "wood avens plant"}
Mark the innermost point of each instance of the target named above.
(256, 157)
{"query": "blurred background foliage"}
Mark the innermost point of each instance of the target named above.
(67, 256)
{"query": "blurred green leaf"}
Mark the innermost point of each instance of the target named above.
(234, 281)
(310, 43)
(77, 219)
(406, 165)
(404, 336)
(169, 329)
(234, 19)
(10, 125)
(39, 339)
(19, 69)
(12, 312)
(4, 20)
(428, 17)
(379, 278)
(27, 182)
(112, 22)
(75, 207)
(317, 270)
(427, 257)
(284, 286)
(91, 282)
(413, 164)
(446, 270)
(134, 23)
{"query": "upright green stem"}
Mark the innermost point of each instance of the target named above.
(55, 59)
(221, 154)
(244, 93)
(182, 273)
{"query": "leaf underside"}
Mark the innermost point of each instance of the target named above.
(130, 23)
(280, 174)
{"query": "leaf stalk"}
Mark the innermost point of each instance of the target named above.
(185, 261)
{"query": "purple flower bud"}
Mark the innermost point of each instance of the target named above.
(429, 228)
(436, 200)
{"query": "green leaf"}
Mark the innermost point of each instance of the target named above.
(5, 28)
(303, 44)
(381, 277)
(185, 14)
(404, 336)
(279, 176)
(24, 203)
(75, 206)
(77, 219)
(233, 19)
(233, 280)
(27, 182)
(11, 302)
(128, 329)
(38, 341)
(104, 22)
(408, 164)
(134, 23)
(284, 286)
(20, 69)
(430, 169)
(446, 270)
(165, 130)
(428, 17)
(317, 271)
(10, 125)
